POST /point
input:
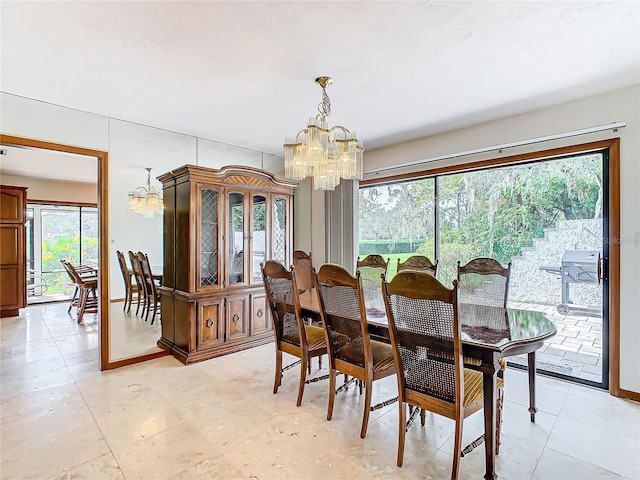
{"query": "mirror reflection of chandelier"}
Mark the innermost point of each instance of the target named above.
(326, 154)
(147, 200)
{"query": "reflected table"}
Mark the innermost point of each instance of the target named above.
(488, 334)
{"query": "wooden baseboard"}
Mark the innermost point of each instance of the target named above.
(116, 300)
(630, 395)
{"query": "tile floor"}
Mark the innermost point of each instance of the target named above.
(63, 419)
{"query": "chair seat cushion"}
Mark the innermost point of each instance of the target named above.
(382, 355)
(315, 337)
(473, 386)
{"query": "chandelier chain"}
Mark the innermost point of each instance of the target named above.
(325, 107)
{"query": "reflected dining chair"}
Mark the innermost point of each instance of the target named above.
(425, 335)
(137, 273)
(419, 263)
(304, 270)
(130, 288)
(371, 269)
(349, 347)
(86, 281)
(292, 336)
(151, 292)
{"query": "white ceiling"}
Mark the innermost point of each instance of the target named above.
(242, 72)
(37, 163)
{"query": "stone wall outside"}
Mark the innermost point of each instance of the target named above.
(530, 284)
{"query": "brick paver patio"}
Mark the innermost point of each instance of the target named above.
(576, 349)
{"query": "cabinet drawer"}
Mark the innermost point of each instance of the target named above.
(237, 313)
(210, 325)
(260, 315)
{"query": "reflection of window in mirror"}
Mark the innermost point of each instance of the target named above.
(258, 238)
(236, 237)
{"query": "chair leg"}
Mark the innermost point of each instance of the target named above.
(138, 302)
(423, 416)
(82, 303)
(153, 315)
(332, 392)
(368, 387)
(73, 298)
(499, 405)
(127, 298)
(457, 447)
(278, 377)
(402, 429)
(303, 378)
(319, 362)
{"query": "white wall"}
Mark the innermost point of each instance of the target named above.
(53, 190)
(619, 105)
(131, 147)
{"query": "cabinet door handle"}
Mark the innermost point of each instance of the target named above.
(236, 318)
(260, 313)
(210, 322)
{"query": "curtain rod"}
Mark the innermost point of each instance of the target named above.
(611, 126)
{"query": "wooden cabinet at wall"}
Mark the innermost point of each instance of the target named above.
(13, 256)
(219, 225)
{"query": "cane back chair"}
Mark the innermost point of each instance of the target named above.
(371, 269)
(291, 334)
(351, 350)
(419, 263)
(304, 270)
(425, 336)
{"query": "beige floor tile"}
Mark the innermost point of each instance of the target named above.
(165, 454)
(607, 413)
(102, 468)
(554, 464)
(216, 468)
(603, 448)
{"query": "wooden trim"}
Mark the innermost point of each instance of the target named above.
(613, 145)
(479, 165)
(103, 225)
(630, 395)
(132, 360)
(62, 203)
(614, 268)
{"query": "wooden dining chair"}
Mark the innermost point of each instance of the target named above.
(130, 288)
(425, 334)
(371, 269)
(292, 335)
(138, 275)
(419, 263)
(483, 281)
(86, 281)
(349, 347)
(304, 269)
(152, 294)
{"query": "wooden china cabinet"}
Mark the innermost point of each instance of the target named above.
(219, 225)
(13, 248)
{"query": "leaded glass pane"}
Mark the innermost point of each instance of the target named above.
(208, 237)
(280, 230)
(236, 238)
(258, 217)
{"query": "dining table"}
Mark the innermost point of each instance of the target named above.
(488, 333)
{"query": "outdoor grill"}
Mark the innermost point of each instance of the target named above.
(578, 266)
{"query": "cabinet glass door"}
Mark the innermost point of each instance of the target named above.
(209, 234)
(258, 236)
(235, 239)
(279, 230)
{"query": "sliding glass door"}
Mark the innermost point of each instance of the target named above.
(546, 218)
(58, 232)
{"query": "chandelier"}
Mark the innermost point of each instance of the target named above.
(146, 200)
(326, 154)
